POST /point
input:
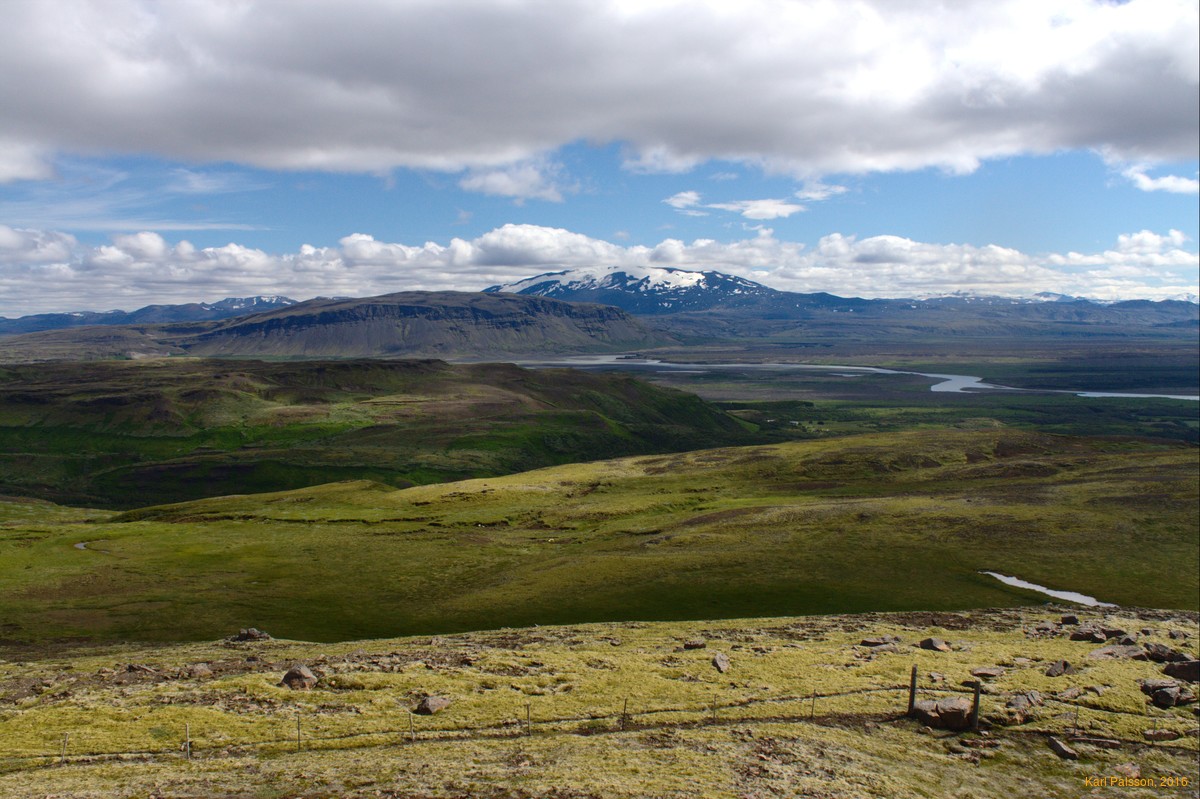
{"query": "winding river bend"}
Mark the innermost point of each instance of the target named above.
(943, 383)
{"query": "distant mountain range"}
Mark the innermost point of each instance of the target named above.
(150, 314)
(609, 309)
(407, 324)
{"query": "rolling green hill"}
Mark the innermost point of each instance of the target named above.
(881, 522)
(132, 433)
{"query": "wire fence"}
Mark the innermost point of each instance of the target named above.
(308, 737)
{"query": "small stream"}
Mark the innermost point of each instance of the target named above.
(1069, 596)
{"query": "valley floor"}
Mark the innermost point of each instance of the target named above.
(805, 708)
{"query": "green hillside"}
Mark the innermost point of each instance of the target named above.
(130, 433)
(882, 522)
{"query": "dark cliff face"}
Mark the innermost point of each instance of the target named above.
(436, 323)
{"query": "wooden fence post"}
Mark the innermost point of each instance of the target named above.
(412, 730)
(812, 711)
(912, 690)
(63, 757)
(975, 707)
(187, 741)
(528, 723)
(297, 731)
(625, 713)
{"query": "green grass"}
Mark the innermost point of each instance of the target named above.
(768, 737)
(126, 434)
(869, 523)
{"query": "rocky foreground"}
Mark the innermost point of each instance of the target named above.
(1070, 704)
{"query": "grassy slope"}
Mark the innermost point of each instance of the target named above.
(882, 522)
(574, 682)
(128, 434)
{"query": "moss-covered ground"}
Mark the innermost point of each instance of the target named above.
(613, 710)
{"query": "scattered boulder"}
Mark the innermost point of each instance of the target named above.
(1059, 668)
(250, 634)
(299, 678)
(936, 677)
(1074, 692)
(198, 670)
(138, 668)
(1187, 670)
(988, 672)
(432, 704)
(1112, 632)
(1163, 693)
(950, 713)
(1161, 653)
(1069, 618)
(1092, 635)
(1161, 735)
(695, 643)
(1116, 652)
(1178, 635)
(1062, 750)
(880, 640)
(720, 662)
(1025, 700)
(934, 645)
(1127, 640)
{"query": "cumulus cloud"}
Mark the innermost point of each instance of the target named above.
(1174, 184)
(45, 271)
(529, 180)
(803, 87)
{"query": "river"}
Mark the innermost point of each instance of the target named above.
(943, 383)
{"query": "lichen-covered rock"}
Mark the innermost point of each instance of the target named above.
(934, 645)
(432, 704)
(1059, 668)
(695, 643)
(299, 678)
(1161, 653)
(950, 713)
(720, 662)
(1188, 670)
(250, 634)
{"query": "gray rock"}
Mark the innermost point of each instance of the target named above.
(432, 704)
(250, 634)
(1187, 670)
(1117, 652)
(1092, 635)
(934, 645)
(1024, 701)
(720, 662)
(950, 713)
(1058, 668)
(198, 670)
(695, 643)
(1161, 735)
(1161, 653)
(1069, 618)
(299, 678)
(1178, 635)
(880, 640)
(1062, 750)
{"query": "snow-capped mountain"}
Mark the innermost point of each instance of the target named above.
(643, 290)
(150, 314)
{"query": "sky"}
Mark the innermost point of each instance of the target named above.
(192, 150)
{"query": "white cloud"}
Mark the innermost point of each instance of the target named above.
(760, 209)
(44, 271)
(523, 181)
(804, 87)
(683, 199)
(1169, 183)
(815, 191)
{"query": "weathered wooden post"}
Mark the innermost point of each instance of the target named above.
(812, 711)
(297, 731)
(63, 757)
(625, 713)
(187, 741)
(912, 690)
(975, 706)
(412, 730)
(528, 723)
